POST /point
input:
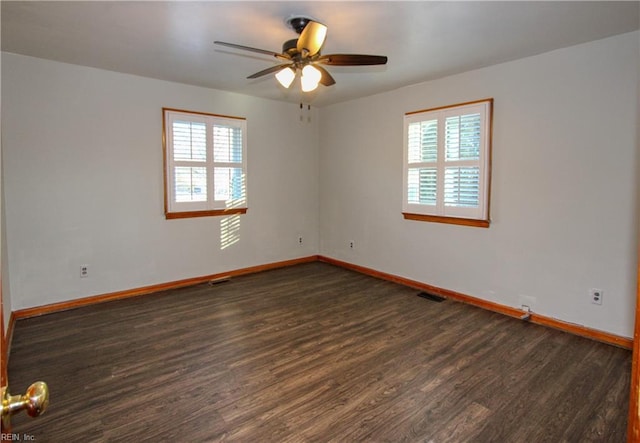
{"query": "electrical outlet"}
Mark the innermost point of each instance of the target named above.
(351, 244)
(300, 240)
(596, 296)
(84, 271)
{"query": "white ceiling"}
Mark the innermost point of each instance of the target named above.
(423, 40)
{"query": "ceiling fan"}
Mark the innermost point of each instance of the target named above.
(302, 55)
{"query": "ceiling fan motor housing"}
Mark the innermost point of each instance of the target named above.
(290, 47)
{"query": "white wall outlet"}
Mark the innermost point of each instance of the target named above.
(300, 240)
(596, 296)
(84, 271)
(352, 244)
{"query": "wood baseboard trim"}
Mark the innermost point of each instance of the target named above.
(605, 337)
(86, 301)
(583, 331)
(594, 334)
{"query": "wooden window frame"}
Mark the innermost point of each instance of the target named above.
(484, 220)
(178, 214)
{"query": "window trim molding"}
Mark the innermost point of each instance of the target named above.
(205, 213)
(480, 222)
(457, 105)
(172, 215)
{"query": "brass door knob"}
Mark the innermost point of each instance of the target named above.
(34, 401)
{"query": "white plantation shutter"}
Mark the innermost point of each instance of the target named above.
(462, 137)
(190, 183)
(423, 141)
(228, 170)
(462, 187)
(227, 143)
(422, 148)
(462, 143)
(446, 168)
(422, 186)
(205, 162)
(189, 140)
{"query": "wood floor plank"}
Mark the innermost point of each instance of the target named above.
(313, 353)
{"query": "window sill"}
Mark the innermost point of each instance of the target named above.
(210, 213)
(448, 220)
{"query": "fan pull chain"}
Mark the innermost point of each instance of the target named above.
(302, 113)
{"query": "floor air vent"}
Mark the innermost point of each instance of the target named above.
(432, 297)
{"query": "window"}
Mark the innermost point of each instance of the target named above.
(447, 164)
(205, 164)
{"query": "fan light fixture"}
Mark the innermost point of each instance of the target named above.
(286, 76)
(309, 80)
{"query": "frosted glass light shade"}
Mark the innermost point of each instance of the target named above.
(310, 78)
(285, 77)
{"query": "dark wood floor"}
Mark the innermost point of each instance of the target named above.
(313, 353)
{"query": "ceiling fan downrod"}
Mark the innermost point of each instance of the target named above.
(298, 22)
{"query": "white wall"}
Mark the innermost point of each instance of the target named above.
(564, 193)
(84, 183)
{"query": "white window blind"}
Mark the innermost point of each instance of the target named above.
(205, 162)
(447, 162)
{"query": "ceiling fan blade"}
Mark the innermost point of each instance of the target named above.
(312, 38)
(270, 70)
(326, 79)
(352, 59)
(249, 48)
